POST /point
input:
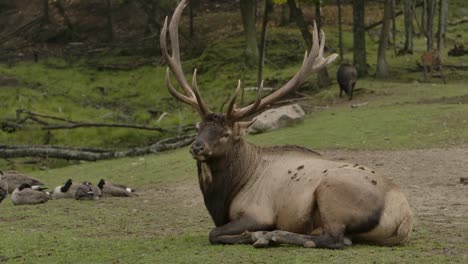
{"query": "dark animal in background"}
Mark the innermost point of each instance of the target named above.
(25, 194)
(282, 194)
(15, 179)
(457, 50)
(347, 77)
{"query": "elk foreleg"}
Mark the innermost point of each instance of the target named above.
(325, 240)
(237, 232)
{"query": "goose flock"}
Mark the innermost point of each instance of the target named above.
(26, 190)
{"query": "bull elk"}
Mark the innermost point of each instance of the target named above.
(282, 194)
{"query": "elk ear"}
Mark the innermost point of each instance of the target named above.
(240, 128)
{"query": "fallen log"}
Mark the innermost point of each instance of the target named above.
(91, 154)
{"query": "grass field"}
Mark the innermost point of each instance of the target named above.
(168, 223)
(413, 131)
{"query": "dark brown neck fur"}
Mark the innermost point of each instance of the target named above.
(229, 174)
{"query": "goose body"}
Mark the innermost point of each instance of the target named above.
(16, 179)
(24, 194)
(67, 190)
(87, 191)
(3, 190)
(117, 190)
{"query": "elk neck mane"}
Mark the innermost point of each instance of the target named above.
(222, 178)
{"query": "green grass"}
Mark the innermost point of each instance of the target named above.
(395, 118)
(168, 223)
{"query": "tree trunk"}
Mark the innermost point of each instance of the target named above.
(392, 16)
(110, 21)
(323, 79)
(247, 8)
(45, 11)
(443, 20)
(283, 21)
(424, 18)
(266, 11)
(408, 6)
(359, 38)
(67, 20)
(382, 67)
(340, 30)
(297, 15)
(431, 4)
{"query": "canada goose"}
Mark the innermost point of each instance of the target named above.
(26, 195)
(112, 189)
(68, 190)
(15, 179)
(87, 191)
(3, 189)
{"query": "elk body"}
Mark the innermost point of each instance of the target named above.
(431, 61)
(283, 194)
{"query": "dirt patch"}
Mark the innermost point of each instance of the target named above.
(461, 99)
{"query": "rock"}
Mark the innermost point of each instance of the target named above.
(276, 118)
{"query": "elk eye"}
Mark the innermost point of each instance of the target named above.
(225, 135)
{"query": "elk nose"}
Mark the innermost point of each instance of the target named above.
(197, 147)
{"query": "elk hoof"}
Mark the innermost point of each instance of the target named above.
(261, 243)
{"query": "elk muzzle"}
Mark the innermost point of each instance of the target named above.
(199, 150)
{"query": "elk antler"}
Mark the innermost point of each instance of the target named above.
(313, 62)
(192, 95)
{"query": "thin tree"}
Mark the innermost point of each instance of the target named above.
(340, 30)
(247, 8)
(359, 38)
(408, 10)
(45, 11)
(443, 20)
(382, 66)
(267, 8)
(393, 16)
(430, 14)
(110, 21)
(323, 79)
(298, 16)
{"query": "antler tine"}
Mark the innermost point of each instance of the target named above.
(203, 108)
(232, 101)
(176, 94)
(312, 63)
(251, 108)
(190, 97)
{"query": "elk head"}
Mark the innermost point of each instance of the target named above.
(218, 131)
